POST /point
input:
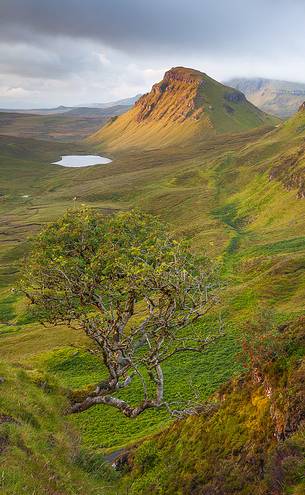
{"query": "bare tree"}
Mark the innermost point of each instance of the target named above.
(131, 288)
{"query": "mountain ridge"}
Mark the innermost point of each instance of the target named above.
(61, 109)
(280, 98)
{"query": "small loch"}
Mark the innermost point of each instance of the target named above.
(82, 160)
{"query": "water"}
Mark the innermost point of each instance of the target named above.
(82, 160)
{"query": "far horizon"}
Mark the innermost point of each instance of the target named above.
(113, 102)
(60, 55)
(75, 105)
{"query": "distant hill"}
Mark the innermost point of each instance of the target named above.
(127, 102)
(97, 112)
(37, 111)
(72, 125)
(281, 98)
(123, 104)
(186, 105)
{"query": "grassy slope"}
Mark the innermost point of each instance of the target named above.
(251, 441)
(220, 195)
(39, 449)
(20, 342)
(25, 176)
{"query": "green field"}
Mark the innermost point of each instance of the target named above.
(218, 193)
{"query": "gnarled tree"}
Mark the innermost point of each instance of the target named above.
(130, 287)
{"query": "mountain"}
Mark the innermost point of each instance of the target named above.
(281, 98)
(187, 105)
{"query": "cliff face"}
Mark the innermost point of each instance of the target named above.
(183, 94)
(302, 107)
(175, 98)
(289, 167)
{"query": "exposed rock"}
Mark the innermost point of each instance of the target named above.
(121, 463)
(235, 96)
(184, 75)
(289, 170)
(5, 418)
(4, 442)
(174, 98)
(302, 107)
(229, 109)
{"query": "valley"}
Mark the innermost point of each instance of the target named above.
(69, 125)
(219, 172)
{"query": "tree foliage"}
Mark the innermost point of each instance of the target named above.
(130, 287)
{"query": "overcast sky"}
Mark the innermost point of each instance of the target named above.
(69, 52)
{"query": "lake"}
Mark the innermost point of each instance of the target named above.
(82, 160)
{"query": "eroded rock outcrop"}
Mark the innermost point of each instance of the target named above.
(175, 98)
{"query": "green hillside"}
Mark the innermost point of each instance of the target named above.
(224, 194)
(40, 450)
(250, 438)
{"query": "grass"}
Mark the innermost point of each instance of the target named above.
(233, 447)
(218, 193)
(66, 127)
(190, 376)
(39, 449)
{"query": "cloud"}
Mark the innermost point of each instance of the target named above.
(67, 50)
(138, 25)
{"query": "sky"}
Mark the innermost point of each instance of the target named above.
(73, 52)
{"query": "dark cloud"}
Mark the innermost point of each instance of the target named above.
(61, 50)
(137, 25)
(40, 61)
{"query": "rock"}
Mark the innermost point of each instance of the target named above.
(121, 463)
(302, 107)
(235, 96)
(183, 84)
(5, 418)
(283, 327)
